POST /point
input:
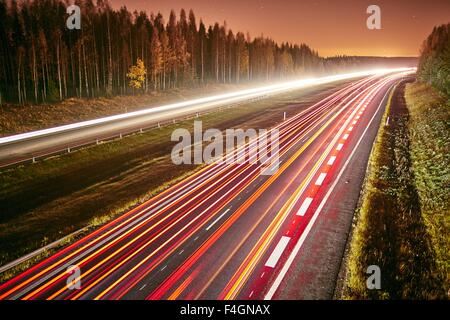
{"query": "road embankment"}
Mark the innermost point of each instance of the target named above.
(401, 224)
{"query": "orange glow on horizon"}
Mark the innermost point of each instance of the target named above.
(330, 27)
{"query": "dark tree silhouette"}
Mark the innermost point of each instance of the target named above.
(43, 61)
(434, 63)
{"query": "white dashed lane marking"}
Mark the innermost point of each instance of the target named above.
(304, 207)
(277, 252)
(320, 179)
(331, 161)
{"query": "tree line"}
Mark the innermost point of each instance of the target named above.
(434, 62)
(41, 60)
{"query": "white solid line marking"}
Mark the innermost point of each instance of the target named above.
(276, 254)
(143, 287)
(181, 251)
(339, 147)
(345, 137)
(250, 295)
(215, 221)
(331, 161)
(163, 267)
(305, 206)
(320, 179)
(350, 128)
(300, 242)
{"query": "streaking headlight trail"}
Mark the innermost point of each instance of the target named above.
(211, 101)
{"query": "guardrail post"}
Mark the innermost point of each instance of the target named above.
(34, 160)
(159, 126)
(284, 115)
(140, 130)
(120, 135)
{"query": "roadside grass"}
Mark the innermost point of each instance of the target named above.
(43, 202)
(17, 118)
(390, 231)
(429, 129)
(91, 225)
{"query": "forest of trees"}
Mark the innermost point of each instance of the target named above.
(42, 61)
(434, 63)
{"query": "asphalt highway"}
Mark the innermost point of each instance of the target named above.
(30, 145)
(228, 231)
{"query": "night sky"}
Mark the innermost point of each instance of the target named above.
(329, 26)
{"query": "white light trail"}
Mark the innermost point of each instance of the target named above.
(235, 96)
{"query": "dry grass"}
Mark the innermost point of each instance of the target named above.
(429, 129)
(390, 231)
(92, 224)
(17, 119)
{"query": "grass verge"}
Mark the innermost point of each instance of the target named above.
(91, 225)
(429, 129)
(391, 231)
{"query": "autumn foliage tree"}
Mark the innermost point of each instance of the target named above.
(137, 74)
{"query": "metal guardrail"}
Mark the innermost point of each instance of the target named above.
(32, 158)
(37, 252)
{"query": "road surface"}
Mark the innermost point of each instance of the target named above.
(229, 232)
(41, 143)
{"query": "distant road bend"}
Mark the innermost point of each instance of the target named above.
(228, 232)
(27, 146)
